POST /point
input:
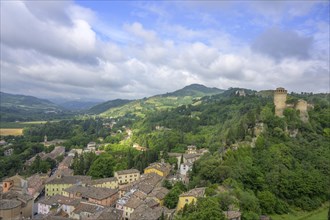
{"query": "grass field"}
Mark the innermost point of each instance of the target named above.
(319, 214)
(23, 124)
(11, 131)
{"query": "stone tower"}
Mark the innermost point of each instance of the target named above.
(280, 101)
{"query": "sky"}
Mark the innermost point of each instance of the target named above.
(86, 50)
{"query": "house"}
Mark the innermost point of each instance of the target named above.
(185, 167)
(14, 183)
(189, 197)
(10, 209)
(13, 204)
(158, 194)
(96, 195)
(86, 211)
(58, 151)
(55, 142)
(162, 169)
(192, 149)
(232, 215)
(8, 152)
(190, 158)
(109, 213)
(36, 183)
(132, 203)
(91, 146)
(57, 202)
(143, 212)
(111, 183)
(59, 183)
(74, 151)
(66, 163)
(127, 176)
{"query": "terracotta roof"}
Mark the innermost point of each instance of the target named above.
(66, 161)
(145, 187)
(87, 207)
(104, 180)
(59, 199)
(143, 212)
(92, 192)
(164, 167)
(151, 202)
(15, 195)
(197, 192)
(159, 193)
(9, 204)
(110, 214)
(189, 156)
(140, 194)
(133, 202)
(130, 171)
(70, 180)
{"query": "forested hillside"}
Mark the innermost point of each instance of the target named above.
(258, 163)
(27, 108)
(267, 164)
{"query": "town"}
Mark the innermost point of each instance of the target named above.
(127, 195)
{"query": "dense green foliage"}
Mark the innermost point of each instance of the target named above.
(262, 163)
(208, 208)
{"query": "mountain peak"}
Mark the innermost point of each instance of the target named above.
(196, 90)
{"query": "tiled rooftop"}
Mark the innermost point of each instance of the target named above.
(197, 192)
(130, 171)
(92, 192)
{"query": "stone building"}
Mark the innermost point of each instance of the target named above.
(280, 96)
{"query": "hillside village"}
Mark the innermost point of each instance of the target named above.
(130, 193)
(127, 195)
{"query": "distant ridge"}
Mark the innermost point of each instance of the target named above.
(188, 95)
(195, 90)
(97, 109)
(22, 107)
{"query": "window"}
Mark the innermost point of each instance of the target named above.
(187, 200)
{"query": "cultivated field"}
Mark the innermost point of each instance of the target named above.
(11, 131)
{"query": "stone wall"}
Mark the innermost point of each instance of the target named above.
(302, 105)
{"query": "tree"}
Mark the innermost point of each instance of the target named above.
(267, 202)
(102, 167)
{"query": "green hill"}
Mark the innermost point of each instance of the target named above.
(102, 107)
(188, 95)
(195, 90)
(24, 108)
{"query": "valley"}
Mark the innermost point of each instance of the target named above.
(229, 145)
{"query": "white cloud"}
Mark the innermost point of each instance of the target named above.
(71, 54)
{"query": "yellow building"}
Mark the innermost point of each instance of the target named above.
(127, 176)
(59, 183)
(189, 197)
(111, 183)
(162, 169)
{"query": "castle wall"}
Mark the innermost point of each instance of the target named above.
(302, 105)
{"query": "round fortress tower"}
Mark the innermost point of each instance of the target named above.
(280, 101)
